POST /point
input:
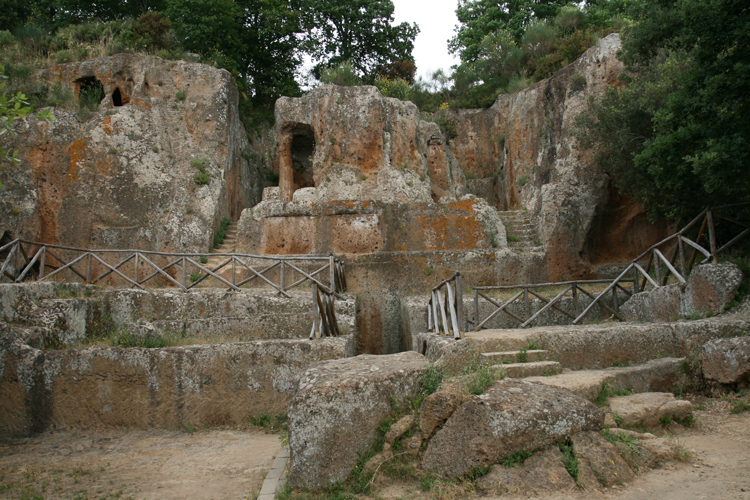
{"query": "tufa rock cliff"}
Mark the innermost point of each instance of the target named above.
(124, 176)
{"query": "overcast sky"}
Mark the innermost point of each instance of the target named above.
(436, 20)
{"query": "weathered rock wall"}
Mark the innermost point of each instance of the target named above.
(220, 384)
(351, 143)
(521, 153)
(364, 227)
(122, 176)
(58, 316)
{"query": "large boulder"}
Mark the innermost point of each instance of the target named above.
(337, 409)
(649, 408)
(659, 304)
(513, 415)
(710, 288)
(727, 361)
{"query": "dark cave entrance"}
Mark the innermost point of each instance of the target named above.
(90, 92)
(302, 151)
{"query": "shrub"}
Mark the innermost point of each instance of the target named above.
(394, 87)
(6, 38)
(90, 96)
(342, 74)
(577, 82)
(222, 232)
(59, 95)
(64, 56)
(203, 176)
(478, 378)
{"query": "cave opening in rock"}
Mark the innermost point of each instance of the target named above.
(90, 92)
(116, 98)
(302, 151)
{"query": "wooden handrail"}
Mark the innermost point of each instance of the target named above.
(43, 254)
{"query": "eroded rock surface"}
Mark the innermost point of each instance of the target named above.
(599, 462)
(513, 415)
(649, 408)
(337, 408)
(542, 473)
(218, 384)
(122, 177)
(351, 143)
(727, 361)
(709, 288)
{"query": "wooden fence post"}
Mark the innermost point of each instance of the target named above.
(332, 273)
(712, 235)
(476, 309)
(460, 303)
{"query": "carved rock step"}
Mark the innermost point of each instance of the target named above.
(514, 356)
(657, 375)
(533, 369)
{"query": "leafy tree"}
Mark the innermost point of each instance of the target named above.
(695, 139)
(254, 39)
(358, 31)
(13, 107)
(478, 18)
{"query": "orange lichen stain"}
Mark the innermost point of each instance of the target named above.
(76, 154)
(106, 125)
(463, 205)
(141, 103)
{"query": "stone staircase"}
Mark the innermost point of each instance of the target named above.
(229, 245)
(522, 363)
(521, 232)
(515, 353)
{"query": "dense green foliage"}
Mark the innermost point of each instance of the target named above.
(261, 42)
(359, 32)
(12, 108)
(676, 136)
(506, 46)
(480, 18)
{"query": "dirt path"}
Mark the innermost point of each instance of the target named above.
(155, 464)
(231, 464)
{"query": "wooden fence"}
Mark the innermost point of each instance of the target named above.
(184, 271)
(445, 308)
(637, 276)
(574, 288)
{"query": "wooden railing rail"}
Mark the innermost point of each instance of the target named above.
(445, 307)
(526, 317)
(639, 275)
(42, 262)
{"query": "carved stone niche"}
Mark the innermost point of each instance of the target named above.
(296, 150)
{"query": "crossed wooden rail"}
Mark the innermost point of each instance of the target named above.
(38, 258)
(569, 287)
(636, 274)
(446, 301)
(32, 260)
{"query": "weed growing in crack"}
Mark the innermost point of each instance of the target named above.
(570, 461)
(518, 457)
(478, 378)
